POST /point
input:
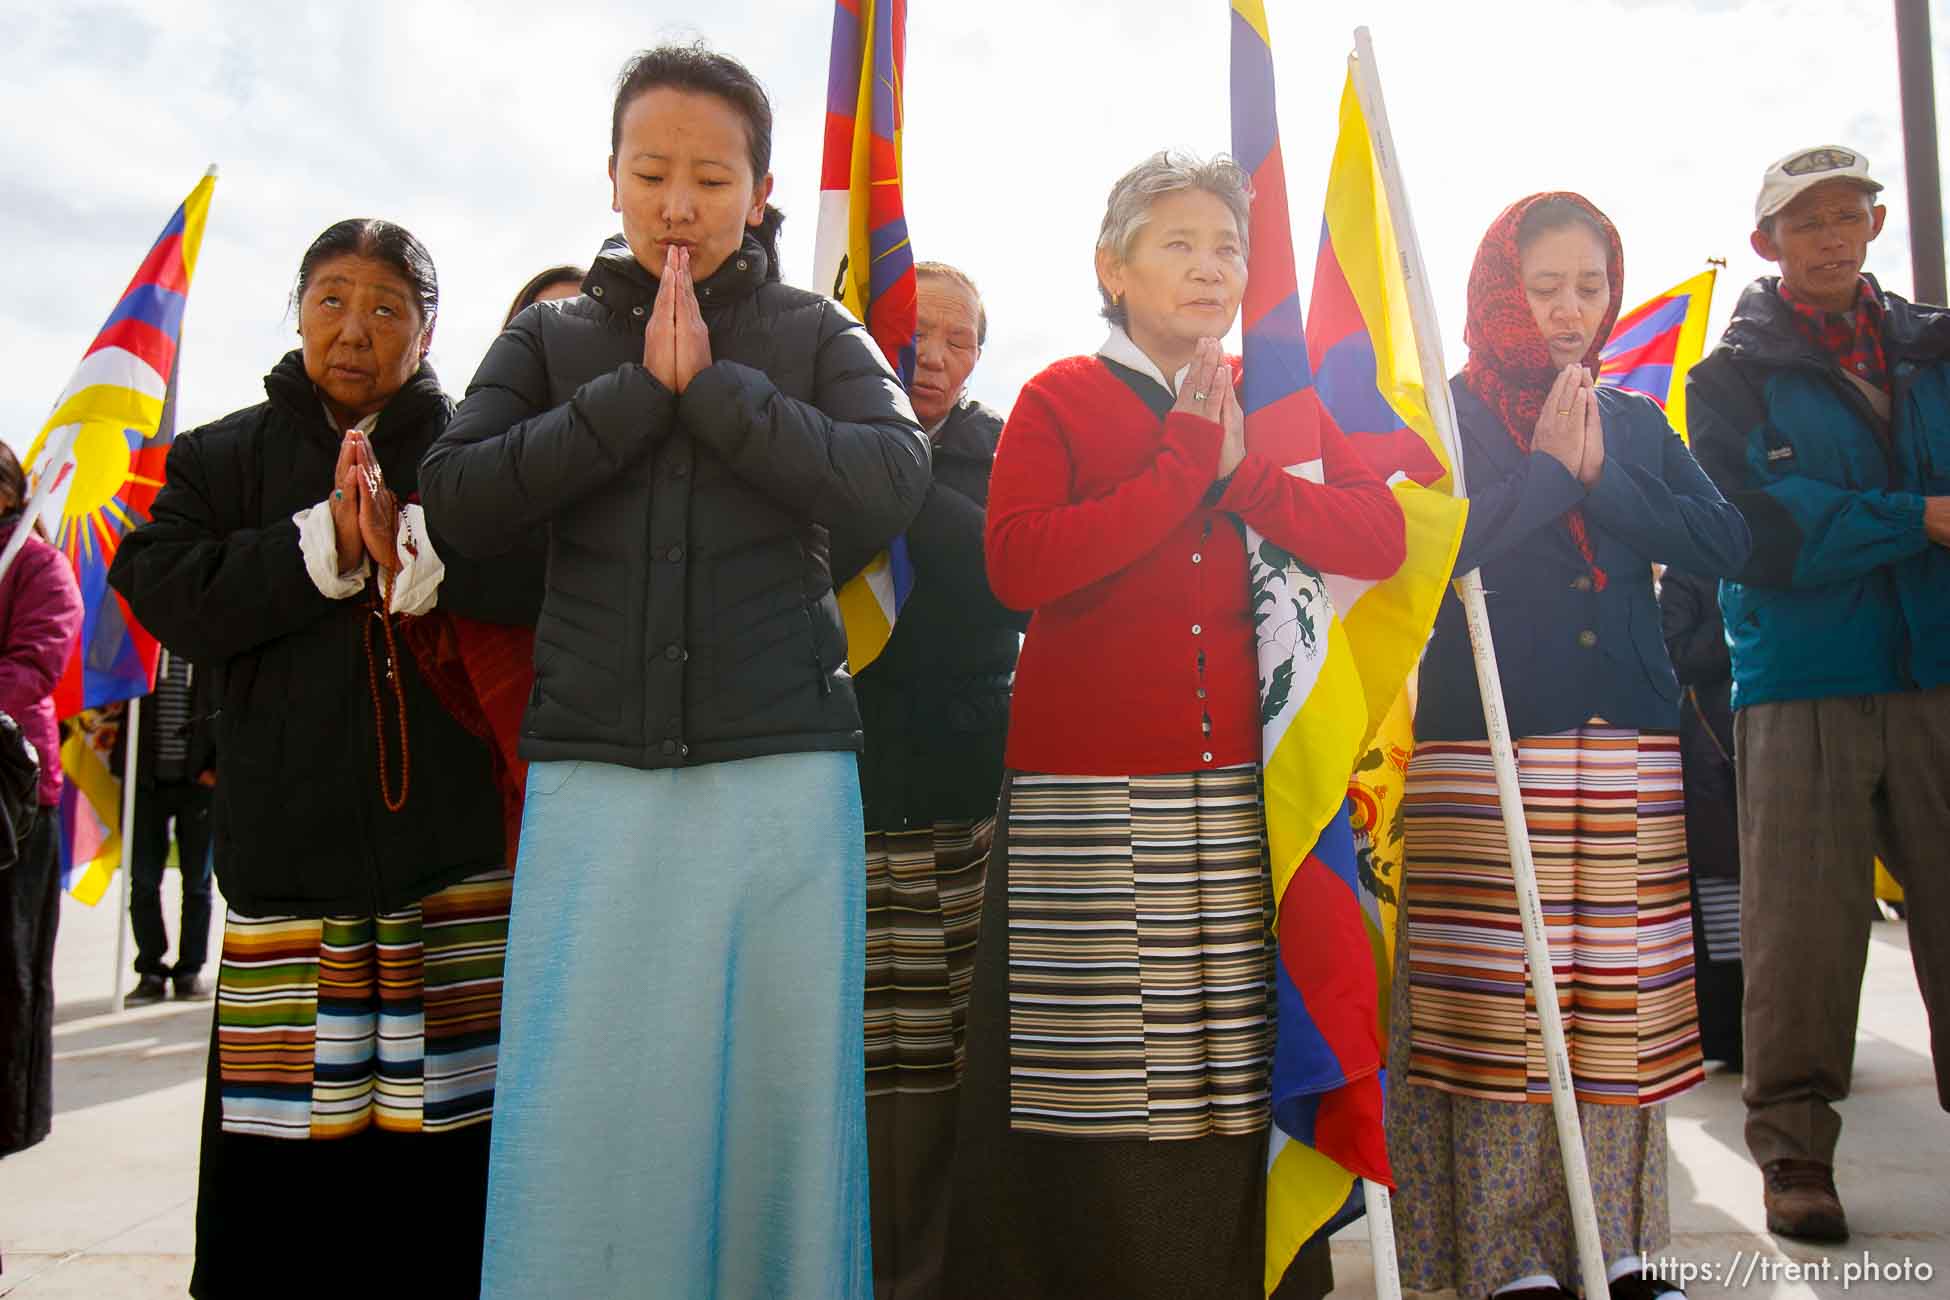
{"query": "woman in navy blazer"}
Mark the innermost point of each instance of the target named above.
(1575, 491)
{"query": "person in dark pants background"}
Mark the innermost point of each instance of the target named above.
(1696, 639)
(40, 617)
(175, 772)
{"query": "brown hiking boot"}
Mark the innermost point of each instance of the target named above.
(1801, 1202)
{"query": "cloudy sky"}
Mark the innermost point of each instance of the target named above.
(483, 127)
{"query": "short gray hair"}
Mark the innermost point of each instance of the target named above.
(1168, 172)
(955, 275)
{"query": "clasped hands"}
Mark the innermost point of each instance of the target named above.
(1569, 429)
(676, 344)
(1207, 393)
(365, 513)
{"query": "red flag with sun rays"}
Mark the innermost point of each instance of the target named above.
(105, 444)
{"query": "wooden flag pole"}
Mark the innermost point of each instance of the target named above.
(1543, 982)
(1381, 1240)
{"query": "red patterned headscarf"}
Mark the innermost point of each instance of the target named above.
(1509, 368)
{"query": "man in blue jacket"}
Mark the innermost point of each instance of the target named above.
(1824, 414)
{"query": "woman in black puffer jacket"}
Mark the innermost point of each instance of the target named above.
(357, 830)
(682, 1090)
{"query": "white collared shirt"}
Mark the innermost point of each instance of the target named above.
(1120, 348)
(416, 584)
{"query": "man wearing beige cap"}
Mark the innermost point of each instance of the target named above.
(1824, 414)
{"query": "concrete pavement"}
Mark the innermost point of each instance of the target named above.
(104, 1209)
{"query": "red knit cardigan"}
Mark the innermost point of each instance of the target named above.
(1140, 655)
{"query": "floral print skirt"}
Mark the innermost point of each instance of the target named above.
(1480, 1198)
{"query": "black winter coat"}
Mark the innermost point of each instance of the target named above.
(689, 615)
(936, 701)
(218, 576)
(1689, 610)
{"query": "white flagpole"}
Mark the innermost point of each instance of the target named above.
(131, 733)
(1543, 982)
(1381, 1240)
(53, 461)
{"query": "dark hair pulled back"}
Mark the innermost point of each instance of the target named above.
(566, 273)
(13, 485)
(383, 241)
(700, 70)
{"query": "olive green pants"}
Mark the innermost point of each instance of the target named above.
(1825, 786)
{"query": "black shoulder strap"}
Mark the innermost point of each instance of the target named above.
(1149, 391)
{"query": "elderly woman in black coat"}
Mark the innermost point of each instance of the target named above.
(935, 705)
(357, 834)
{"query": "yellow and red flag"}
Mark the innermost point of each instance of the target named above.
(1334, 652)
(862, 256)
(1657, 342)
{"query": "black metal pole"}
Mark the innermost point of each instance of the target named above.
(1920, 168)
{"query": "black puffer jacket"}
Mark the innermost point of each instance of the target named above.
(936, 701)
(218, 576)
(689, 616)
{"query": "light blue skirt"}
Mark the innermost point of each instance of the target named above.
(681, 1107)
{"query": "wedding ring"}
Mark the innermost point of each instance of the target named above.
(1563, 410)
(1198, 397)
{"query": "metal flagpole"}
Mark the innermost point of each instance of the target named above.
(131, 729)
(1916, 77)
(1543, 982)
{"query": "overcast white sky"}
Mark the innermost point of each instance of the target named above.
(483, 127)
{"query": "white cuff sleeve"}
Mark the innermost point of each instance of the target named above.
(320, 543)
(416, 587)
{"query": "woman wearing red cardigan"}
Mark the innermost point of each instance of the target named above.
(1113, 1126)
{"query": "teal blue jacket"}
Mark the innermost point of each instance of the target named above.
(1844, 594)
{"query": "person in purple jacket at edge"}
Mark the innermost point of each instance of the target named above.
(40, 618)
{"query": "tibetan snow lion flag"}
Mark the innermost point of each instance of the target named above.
(862, 256)
(106, 443)
(1334, 652)
(1656, 343)
(101, 455)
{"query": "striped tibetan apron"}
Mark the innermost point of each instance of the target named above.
(329, 1026)
(1139, 955)
(1607, 832)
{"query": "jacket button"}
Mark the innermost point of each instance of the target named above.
(743, 265)
(596, 290)
(685, 750)
(1206, 756)
(637, 312)
(1583, 582)
(673, 652)
(1197, 558)
(1587, 638)
(674, 554)
(670, 748)
(1196, 629)
(1201, 692)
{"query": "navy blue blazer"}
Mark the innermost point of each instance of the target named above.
(1565, 651)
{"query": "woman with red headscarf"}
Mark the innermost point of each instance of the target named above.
(1575, 492)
